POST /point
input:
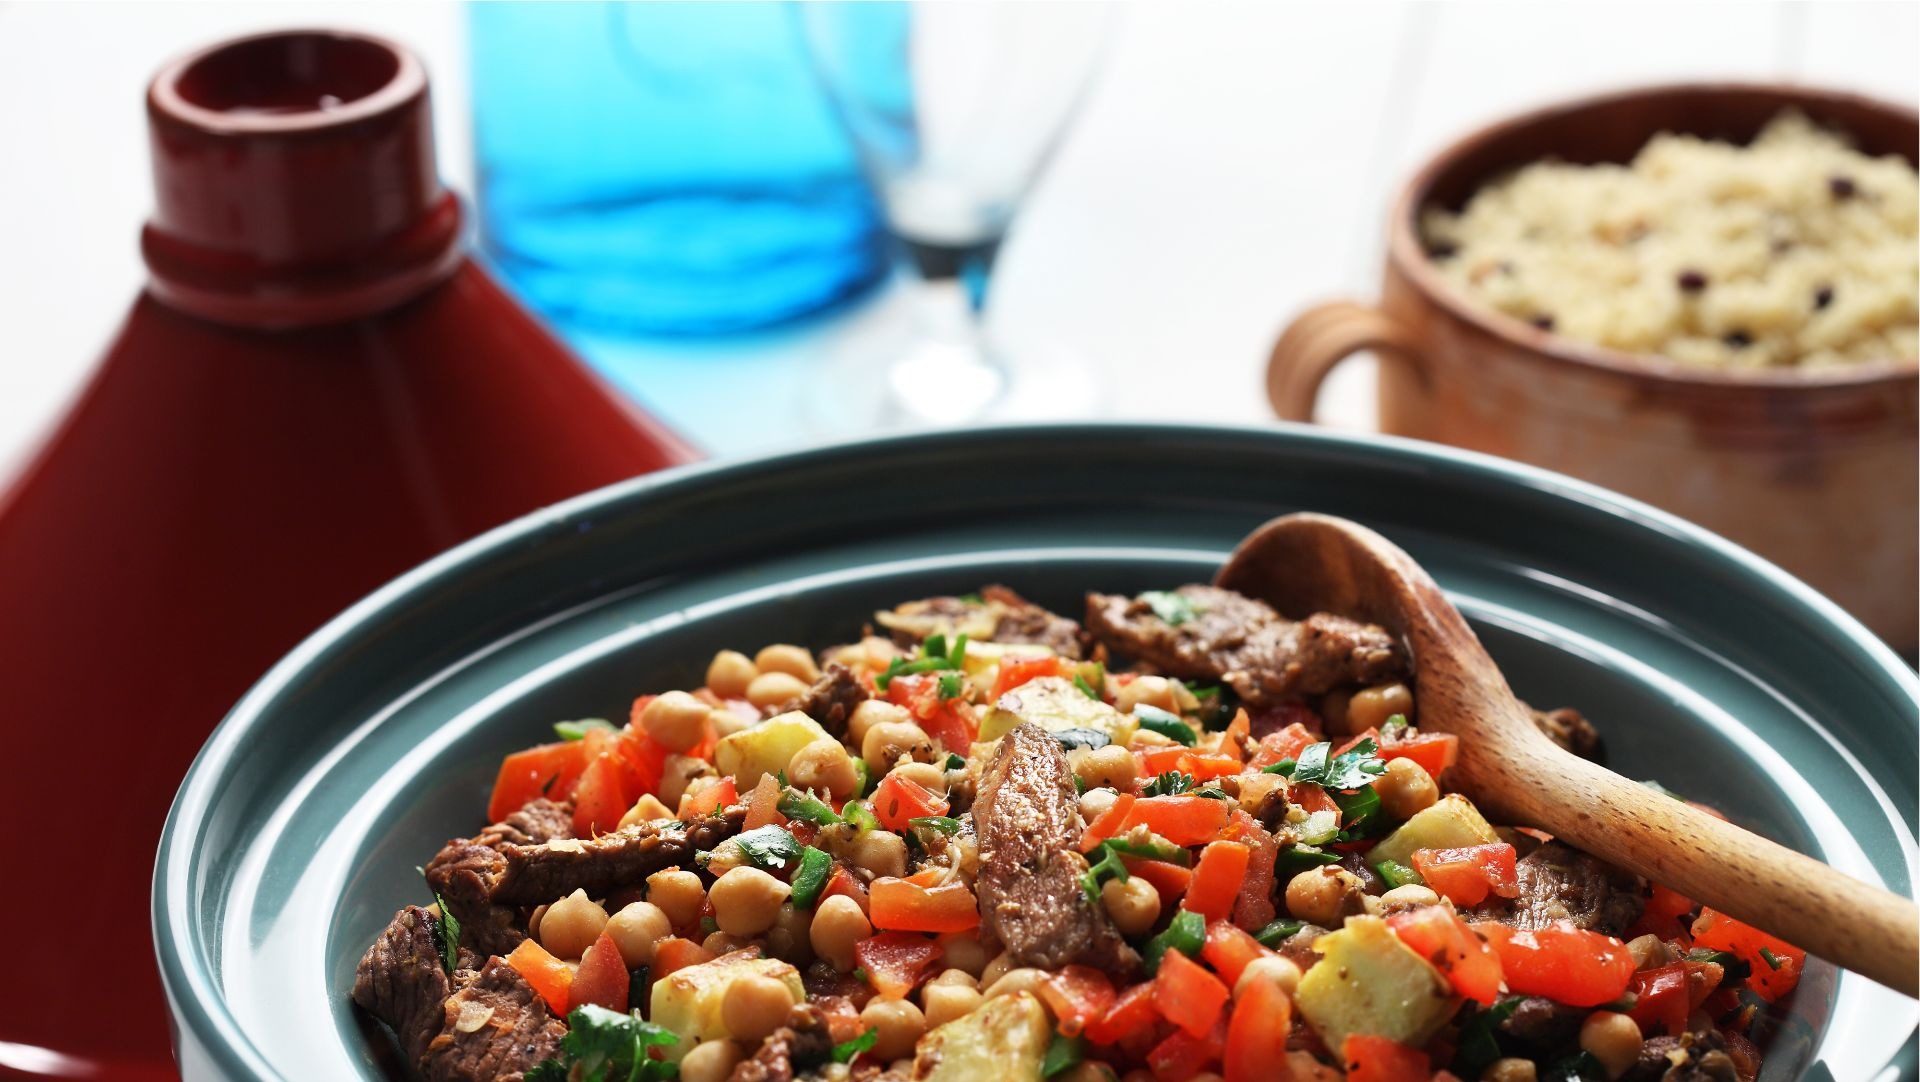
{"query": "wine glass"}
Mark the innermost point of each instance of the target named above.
(954, 109)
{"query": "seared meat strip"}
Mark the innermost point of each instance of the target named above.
(1001, 615)
(486, 926)
(1559, 882)
(794, 1049)
(1542, 1025)
(1246, 645)
(1028, 820)
(1569, 729)
(832, 698)
(486, 1025)
(1692, 1057)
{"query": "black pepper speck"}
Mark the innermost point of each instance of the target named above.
(1842, 187)
(1691, 281)
(1822, 297)
(1545, 323)
(1442, 250)
(1738, 339)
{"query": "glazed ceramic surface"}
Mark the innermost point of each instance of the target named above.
(299, 830)
(1816, 470)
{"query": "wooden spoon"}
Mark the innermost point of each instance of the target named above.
(1306, 563)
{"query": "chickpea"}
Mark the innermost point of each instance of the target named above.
(1325, 896)
(963, 952)
(1648, 952)
(635, 930)
(1333, 707)
(710, 1061)
(677, 775)
(772, 689)
(571, 924)
(729, 673)
(999, 967)
(1111, 766)
(1510, 1069)
(788, 939)
(1017, 980)
(881, 852)
(676, 720)
(837, 925)
(746, 901)
(824, 766)
(891, 741)
(787, 658)
(1372, 707)
(1151, 690)
(958, 977)
(721, 943)
(1147, 738)
(926, 775)
(726, 722)
(1269, 967)
(1134, 905)
(1256, 788)
(1095, 802)
(1408, 896)
(533, 922)
(898, 1024)
(871, 713)
(945, 1002)
(646, 810)
(754, 1006)
(1613, 1039)
(678, 894)
(1405, 789)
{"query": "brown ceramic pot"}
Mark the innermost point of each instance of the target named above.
(1815, 470)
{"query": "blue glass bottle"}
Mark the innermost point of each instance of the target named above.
(665, 168)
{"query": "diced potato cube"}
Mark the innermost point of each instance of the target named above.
(765, 748)
(1053, 703)
(1367, 981)
(1450, 823)
(687, 1001)
(1005, 1039)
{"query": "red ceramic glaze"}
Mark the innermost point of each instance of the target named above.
(317, 391)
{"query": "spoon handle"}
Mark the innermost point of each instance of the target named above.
(1861, 927)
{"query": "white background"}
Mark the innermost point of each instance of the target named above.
(1233, 166)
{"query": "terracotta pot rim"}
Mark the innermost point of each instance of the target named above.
(1409, 256)
(164, 98)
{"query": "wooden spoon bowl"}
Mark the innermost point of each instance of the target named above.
(1304, 563)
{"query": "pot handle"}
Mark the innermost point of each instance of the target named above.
(1323, 336)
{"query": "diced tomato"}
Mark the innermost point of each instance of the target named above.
(1014, 672)
(1714, 930)
(899, 905)
(763, 805)
(1108, 823)
(1182, 820)
(602, 977)
(1254, 909)
(674, 953)
(1288, 743)
(1466, 874)
(709, 801)
(545, 974)
(843, 1018)
(1660, 1002)
(1446, 941)
(1187, 995)
(642, 760)
(1268, 720)
(1168, 880)
(1154, 761)
(1377, 1059)
(547, 770)
(1182, 1055)
(1257, 1034)
(598, 801)
(843, 882)
(899, 798)
(1435, 752)
(1229, 950)
(1216, 880)
(949, 721)
(1237, 733)
(1132, 1012)
(895, 961)
(1207, 767)
(1312, 798)
(1665, 915)
(1354, 741)
(1079, 996)
(1575, 966)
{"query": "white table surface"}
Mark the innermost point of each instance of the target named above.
(1233, 166)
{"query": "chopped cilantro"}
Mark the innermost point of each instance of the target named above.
(577, 730)
(1175, 609)
(1170, 725)
(1063, 1053)
(1358, 808)
(1085, 688)
(607, 1046)
(1109, 865)
(1278, 932)
(846, 1051)
(1354, 768)
(1479, 1044)
(447, 931)
(951, 685)
(1172, 783)
(769, 846)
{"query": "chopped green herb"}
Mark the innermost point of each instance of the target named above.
(1109, 865)
(1393, 724)
(1319, 827)
(1187, 934)
(816, 866)
(1170, 725)
(1278, 932)
(951, 685)
(769, 846)
(1063, 1053)
(1298, 858)
(1082, 738)
(934, 656)
(577, 730)
(1284, 768)
(1773, 960)
(973, 599)
(608, 1046)
(846, 1051)
(1358, 807)
(1735, 968)
(1397, 874)
(954, 762)
(1092, 674)
(1172, 783)
(1354, 768)
(1579, 1067)
(1200, 691)
(1479, 1043)
(860, 816)
(945, 824)
(1085, 688)
(795, 804)
(447, 931)
(1150, 846)
(1172, 608)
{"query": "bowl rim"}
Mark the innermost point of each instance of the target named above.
(200, 1015)
(1408, 256)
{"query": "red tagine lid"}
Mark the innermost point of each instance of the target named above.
(294, 181)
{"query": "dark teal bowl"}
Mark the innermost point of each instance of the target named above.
(297, 832)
